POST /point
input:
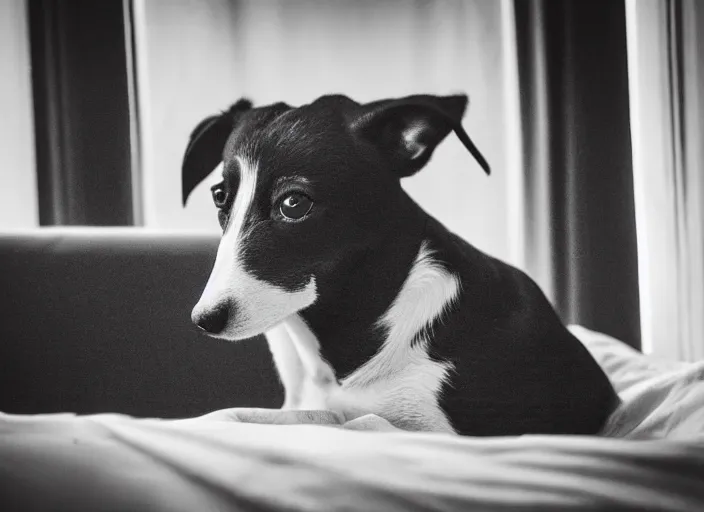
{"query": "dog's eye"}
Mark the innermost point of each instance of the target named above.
(295, 206)
(219, 196)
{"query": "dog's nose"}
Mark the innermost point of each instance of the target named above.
(212, 321)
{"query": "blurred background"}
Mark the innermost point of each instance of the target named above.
(589, 113)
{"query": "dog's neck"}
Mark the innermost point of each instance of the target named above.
(348, 324)
(424, 268)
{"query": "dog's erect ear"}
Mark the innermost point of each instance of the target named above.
(205, 146)
(409, 129)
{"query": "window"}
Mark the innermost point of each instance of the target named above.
(197, 58)
(102, 97)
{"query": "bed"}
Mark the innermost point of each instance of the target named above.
(650, 456)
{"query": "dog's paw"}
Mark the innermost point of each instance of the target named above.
(371, 422)
(273, 416)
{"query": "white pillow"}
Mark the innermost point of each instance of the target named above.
(660, 399)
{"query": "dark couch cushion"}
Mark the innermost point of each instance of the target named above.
(98, 320)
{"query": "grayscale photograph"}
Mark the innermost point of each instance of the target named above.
(351, 255)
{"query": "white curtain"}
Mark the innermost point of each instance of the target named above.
(666, 61)
(18, 193)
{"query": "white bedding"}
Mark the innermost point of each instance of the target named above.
(660, 399)
(110, 462)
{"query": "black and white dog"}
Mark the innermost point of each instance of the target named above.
(369, 304)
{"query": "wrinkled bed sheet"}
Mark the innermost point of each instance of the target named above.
(653, 459)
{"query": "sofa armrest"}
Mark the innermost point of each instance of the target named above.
(98, 320)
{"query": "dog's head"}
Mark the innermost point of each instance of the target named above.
(300, 188)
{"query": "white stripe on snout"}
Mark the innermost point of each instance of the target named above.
(259, 304)
(230, 245)
(228, 256)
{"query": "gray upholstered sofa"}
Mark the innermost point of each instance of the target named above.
(98, 320)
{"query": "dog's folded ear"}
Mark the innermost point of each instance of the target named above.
(409, 129)
(205, 146)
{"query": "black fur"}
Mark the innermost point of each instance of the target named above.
(517, 368)
(434, 117)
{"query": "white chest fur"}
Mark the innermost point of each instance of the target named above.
(400, 383)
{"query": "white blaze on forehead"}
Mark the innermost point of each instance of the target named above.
(230, 245)
(243, 201)
(255, 305)
(216, 176)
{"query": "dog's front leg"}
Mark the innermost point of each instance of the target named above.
(288, 364)
(371, 422)
(307, 379)
(315, 369)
